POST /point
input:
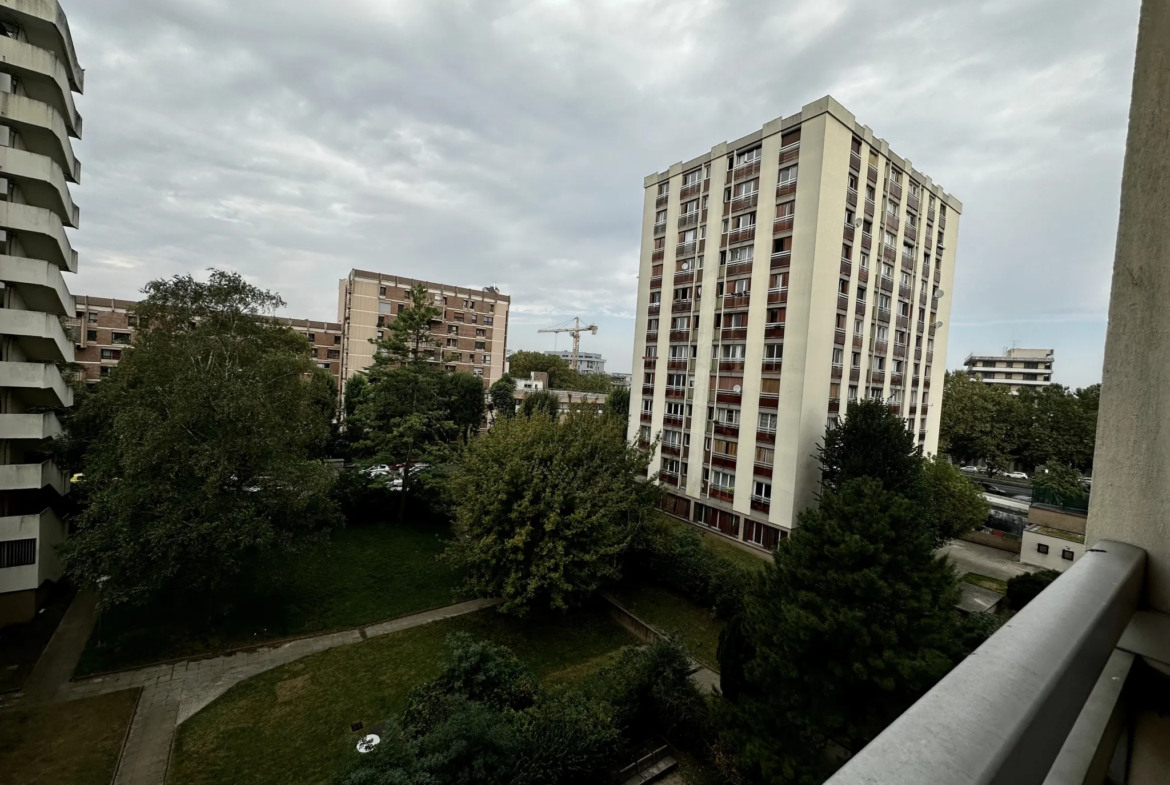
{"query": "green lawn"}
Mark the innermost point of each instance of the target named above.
(986, 582)
(292, 724)
(366, 574)
(74, 743)
(694, 626)
(723, 548)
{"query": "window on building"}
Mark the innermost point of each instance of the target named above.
(765, 455)
(663, 189)
(385, 307)
(724, 481)
(91, 316)
(1067, 554)
(132, 320)
(120, 338)
(105, 371)
(480, 344)
(762, 491)
(1041, 547)
(381, 291)
(746, 157)
(452, 329)
(18, 553)
(788, 175)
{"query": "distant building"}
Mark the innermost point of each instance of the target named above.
(1055, 536)
(621, 379)
(1015, 368)
(587, 362)
(473, 322)
(104, 327)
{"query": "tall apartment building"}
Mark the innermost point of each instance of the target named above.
(104, 327)
(763, 312)
(1015, 368)
(38, 76)
(473, 323)
(587, 362)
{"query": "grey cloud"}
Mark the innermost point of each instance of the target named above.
(505, 143)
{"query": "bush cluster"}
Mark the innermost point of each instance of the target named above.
(674, 557)
(485, 720)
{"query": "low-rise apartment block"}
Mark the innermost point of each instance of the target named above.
(104, 327)
(587, 362)
(473, 322)
(1015, 368)
(783, 275)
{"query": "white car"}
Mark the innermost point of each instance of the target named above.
(395, 482)
(970, 469)
(1016, 475)
(378, 470)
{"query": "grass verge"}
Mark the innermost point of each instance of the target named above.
(292, 725)
(366, 574)
(74, 743)
(695, 627)
(986, 582)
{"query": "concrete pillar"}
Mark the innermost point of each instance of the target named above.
(1131, 468)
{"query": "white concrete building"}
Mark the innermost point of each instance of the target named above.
(38, 76)
(766, 303)
(1015, 368)
(587, 362)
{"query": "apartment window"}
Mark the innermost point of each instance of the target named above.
(121, 338)
(18, 553)
(663, 189)
(459, 318)
(747, 157)
(764, 456)
(788, 175)
(450, 341)
(852, 183)
(105, 371)
(480, 344)
(838, 357)
(890, 239)
(480, 333)
(892, 208)
(746, 189)
(111, 354)
(786, 210)
(858, 327)
(762, 491)
(884, 302)
(745, 221)
(660, 217)
(724, 481)
(727, 417)
(132, 320)
(91, 316)
(773, 351)
(778, 282)
(323, 366)
(91, 335)
(334, 354)
(853, 392)
(734, 351)
(879, 363)
(744, 254)
(1041, 547)
(692, 177)
(776, 316)
(767, 423)
(856, 358)
(452, 329)
(673, 409)
(690, 207)
(682, 293)
(676, 380)
(740, 286)
(861, 294)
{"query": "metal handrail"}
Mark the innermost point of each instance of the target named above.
(1004, 713)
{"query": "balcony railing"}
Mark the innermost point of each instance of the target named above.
(659, 228)
(744, 202)
(777, 296)
(855, 162)
(741, 235)
(895, 190)
(768, 437)
(866, 241)
(774, 330)
(738, 268)
(785, 189)
(871, 173)
(688, 219)
(680, 306)
(684, 249)
(726, 494)
(744, 171)
(760, 504)
(789, 153)
(781, 260)
(689, 191)
(733, 334)
(725, 428)
(781, 225)
(1035, 702)
(771, 365)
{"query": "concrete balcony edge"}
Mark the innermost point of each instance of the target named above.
(37, 221)
(47, 528)
(37, 377)
(49, 293)
(48, 13)
(36, 331)
(30, 427)
(34, 169)
(28, 116)
(33, 477)
(32, 62)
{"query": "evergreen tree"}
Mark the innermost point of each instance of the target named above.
(871, 441)
(544, 402)
(617, 404)
(853, 622)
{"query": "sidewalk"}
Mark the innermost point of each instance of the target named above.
(172, 693)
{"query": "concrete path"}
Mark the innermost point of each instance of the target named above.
(63, 652)
(981, 559)
(173, 692)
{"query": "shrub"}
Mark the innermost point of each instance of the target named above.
(674, 556)
(1022, 589)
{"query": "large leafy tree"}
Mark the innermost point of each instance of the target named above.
(972, 425)
(871, 441)
(547, 508)
(853, 621)
(197, 449)
(465, 402)
(561, 375)
(503, 395)
(951, 504)
(404, 413)
(617, 404)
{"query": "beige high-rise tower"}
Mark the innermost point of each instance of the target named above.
(782, 275)
(38, 76)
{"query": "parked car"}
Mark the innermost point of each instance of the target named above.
(993, 489)
(378, 470)
(1016, 475)
(395, 482)
(970, 469)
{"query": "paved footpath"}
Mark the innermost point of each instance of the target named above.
(173, 692)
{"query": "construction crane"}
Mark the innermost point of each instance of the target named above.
(576, 330)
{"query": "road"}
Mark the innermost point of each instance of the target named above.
(984, 560)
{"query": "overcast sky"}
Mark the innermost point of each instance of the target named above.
(504, 143)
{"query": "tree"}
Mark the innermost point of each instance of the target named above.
(1022, 589)
(503, 395)
(544, 402)
(465, 402)
(1060, 485)
(547, 509)
(854, 621)
(871, 441)
(560, 376)
(617, 404)
(404, 414)
(952, 504)
(197, 448)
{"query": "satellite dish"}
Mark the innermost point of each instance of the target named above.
(939, 294)
(737, 389)
(368, 743)
(686, 266)
(937, 325)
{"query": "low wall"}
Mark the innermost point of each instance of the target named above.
(638, 628)
(1057, 518)
(990, 540)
